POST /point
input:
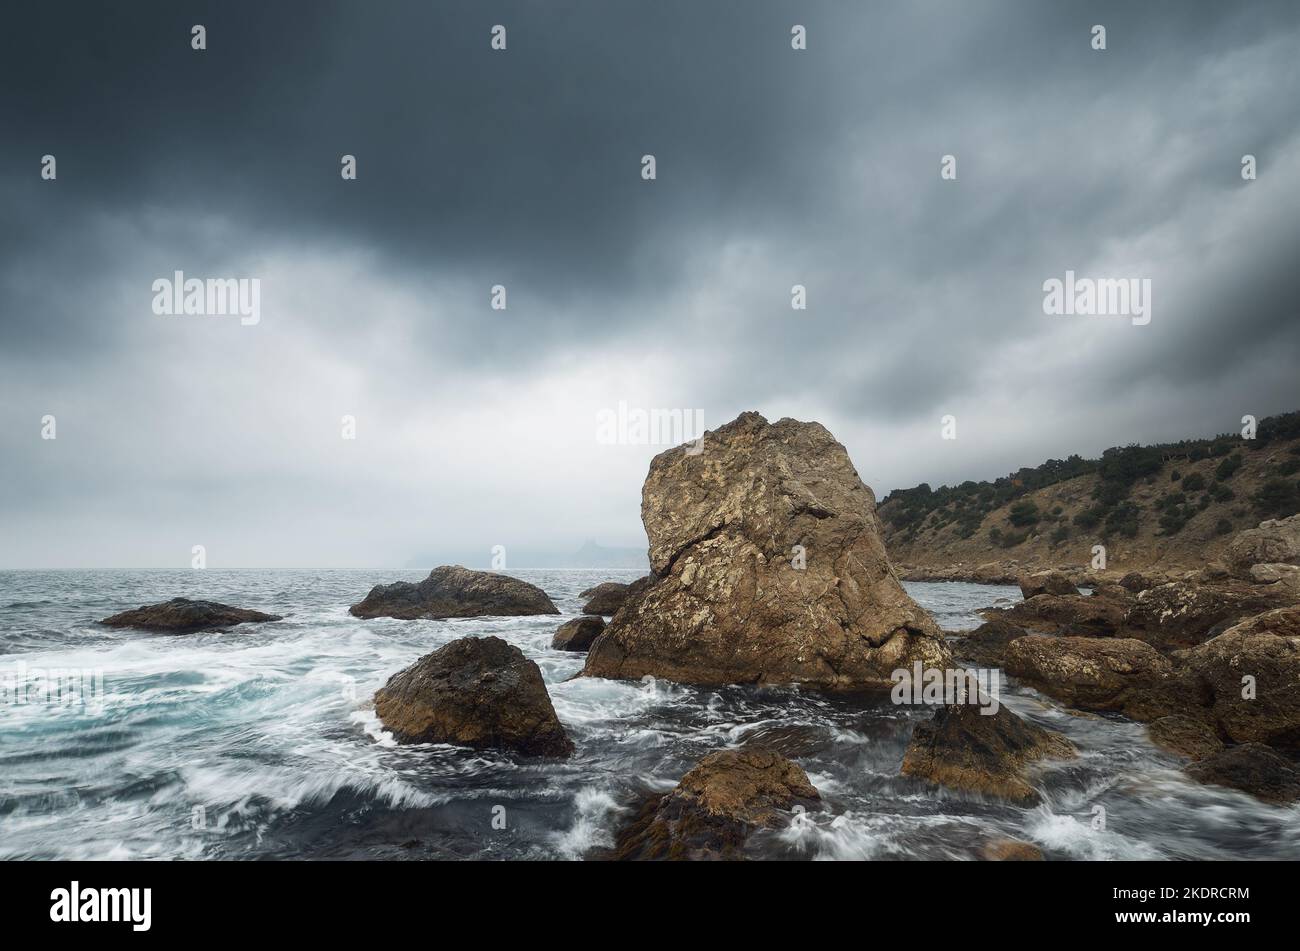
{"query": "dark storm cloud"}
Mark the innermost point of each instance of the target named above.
(775, 168)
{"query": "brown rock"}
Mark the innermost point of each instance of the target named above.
(1274, 541)
(1046, 582)
(728, 603)
(985, 645)
(578, 634)
(1075, 614)
(605, 598)
(477, 691)
(1183, 613)
(963, 748)
(1266, 648)
(1136, 581)
(183, 616)
(1185, 736)
(1252, 768)
(1010, 850)
(453, 591)
(716, 806)
(1120, 674)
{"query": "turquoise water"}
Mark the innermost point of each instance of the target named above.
(261, 742)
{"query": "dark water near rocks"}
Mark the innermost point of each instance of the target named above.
(261, 743)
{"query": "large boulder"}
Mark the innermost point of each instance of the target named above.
(716, 807)
(1116, 674)
(1276, 541)
(1046, 582)
(985, 645)
(1185, 736)
(183, 616)
(477, 691)
(1265, 648)
(453, 591)
(1252, 768)
(964, 748)
(1184, 613)
(605, 598)
(578, 634)
(768, 567)
(1078, 614)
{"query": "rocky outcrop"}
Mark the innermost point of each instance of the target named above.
(985, 646)
(1135, 581)
(183, 616)
(578, 634)
(605, 598)
(768, 567)
(1118, 674)
(1078, 614)
(1185, 736)
(1252, 768)
(453, 591)
(1276, 541)
(972, 751)
(1286, 577)
(717, 806)
(477, 691)
(1266, 649)
(1184, 613)
(1046, 582)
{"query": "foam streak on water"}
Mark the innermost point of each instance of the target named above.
(262, 742)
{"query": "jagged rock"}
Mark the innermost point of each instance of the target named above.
(1185, 736)
(578, 634)
(477, 691)
(1276, 541)
(966, 749)
(183, 616)
(453, 591)
(1079, 614)
(1010, 850)
(1136, 581)
(716, 806)
(605, 598)
(985, 645)
(1252, 768)
(733, 600)
(1046, 582)
(1183, 613)
(1121, 674)
(1266, 648)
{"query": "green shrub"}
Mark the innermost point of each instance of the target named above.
(1194, 482)
(1277, 498)
(1024, 513)
(1228, 467)
(1222, 527)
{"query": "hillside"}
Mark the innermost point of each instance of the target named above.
(1171, 506)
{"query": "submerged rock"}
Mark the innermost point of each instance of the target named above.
(183, 616)
(453, 591)
(1010, 850)
(477, 691)
(1252, 768)
(962, 748)
(768, 567)
(716, 806)
(578, 634)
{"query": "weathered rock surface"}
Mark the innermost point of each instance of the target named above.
(1010, 850)
(1252, 768)
(1183, 613)
(964, 749)
(716, 806)
(477, 691)
(1120, 674)
(183, 616)
(1135, 581)
(1276, 541)
(1084, 615)
(605, 598)
(453, 591)
(728, 603)
(1287, 577)
(1046, 582)
(1185, 736)
(578, 634)
(985, 645)
(1267, 649)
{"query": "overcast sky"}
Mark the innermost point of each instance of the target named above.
(478, 427)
